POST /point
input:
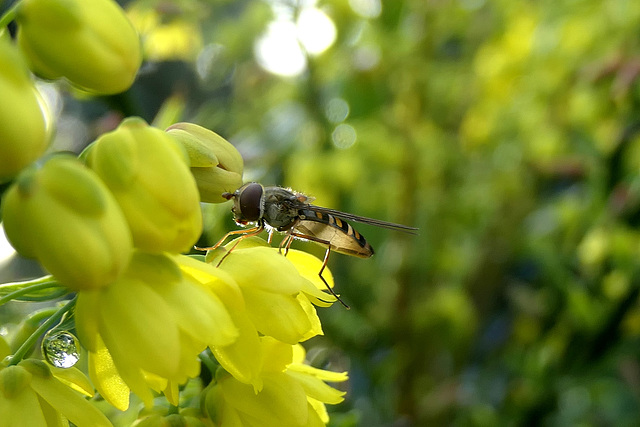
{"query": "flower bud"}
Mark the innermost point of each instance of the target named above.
(215, 163)
(91, 43)
(23, 130)
(148, 173)
(63, 215)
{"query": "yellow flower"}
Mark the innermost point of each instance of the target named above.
(165, 39)
(314, 380)
(276, 294)
(62, 214)
(215, 163)
(32, 394)
(287, 398)
(92, 44)
(23, 129)
(148, 328)
(243, 357)
(148, 173)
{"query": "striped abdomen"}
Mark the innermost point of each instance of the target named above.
(342, 237)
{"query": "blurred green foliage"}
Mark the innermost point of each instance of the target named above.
(508, 131)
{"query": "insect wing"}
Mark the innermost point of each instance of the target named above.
(363, 219)
(340, 235)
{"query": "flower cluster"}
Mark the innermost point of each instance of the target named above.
(33, 393)
(111, 226)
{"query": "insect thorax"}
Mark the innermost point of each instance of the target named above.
(281, 208)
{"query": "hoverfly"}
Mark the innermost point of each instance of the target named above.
(291, 213)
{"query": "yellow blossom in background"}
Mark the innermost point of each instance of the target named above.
(23, 128)
(153, 322)
(148, 173)
(162, 39)
(92, 44)
(32, 395)
(62, 214)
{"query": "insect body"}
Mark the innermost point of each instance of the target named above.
(292, 213)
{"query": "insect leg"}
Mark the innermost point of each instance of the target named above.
(244, 234)
(324, 261)
(248, 233)
(286, 243)
(226, 236)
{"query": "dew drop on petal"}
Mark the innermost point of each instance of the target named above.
(61, 349)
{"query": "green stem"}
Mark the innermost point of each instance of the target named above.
(30, 342)
(210, 364)
(35, 318)
(19, 285)
(9, 15)
(22, 288)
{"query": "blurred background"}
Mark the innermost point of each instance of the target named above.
(507, 131)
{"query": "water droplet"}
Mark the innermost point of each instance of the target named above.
(61, 349)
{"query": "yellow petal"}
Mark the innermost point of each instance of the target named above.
(317, 389)
(299, 354)
(263, 268)
(231, 418)
(74, 378)
(155, 382)
(329, 376)
(106, 378)
(53, 417)
(134, 378)
(86, 318)
(189, 362)
(320, 410)
(316, 296)
(137, 325)
(277, 355)
(276, 315)
(198, 312)
(214, 279)
(308, 266)
(172, 393)
(312, 315)
(242, 359)
(78, 410)
(281, 401)
(247, 242)
(23, 410)
(215, 164)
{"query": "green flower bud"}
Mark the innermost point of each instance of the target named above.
(148, 173)
(13, 380)
(64, 216)
(91, 43)
(215, 163)
(23, 130)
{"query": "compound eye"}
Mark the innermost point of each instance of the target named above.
(250, 200)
